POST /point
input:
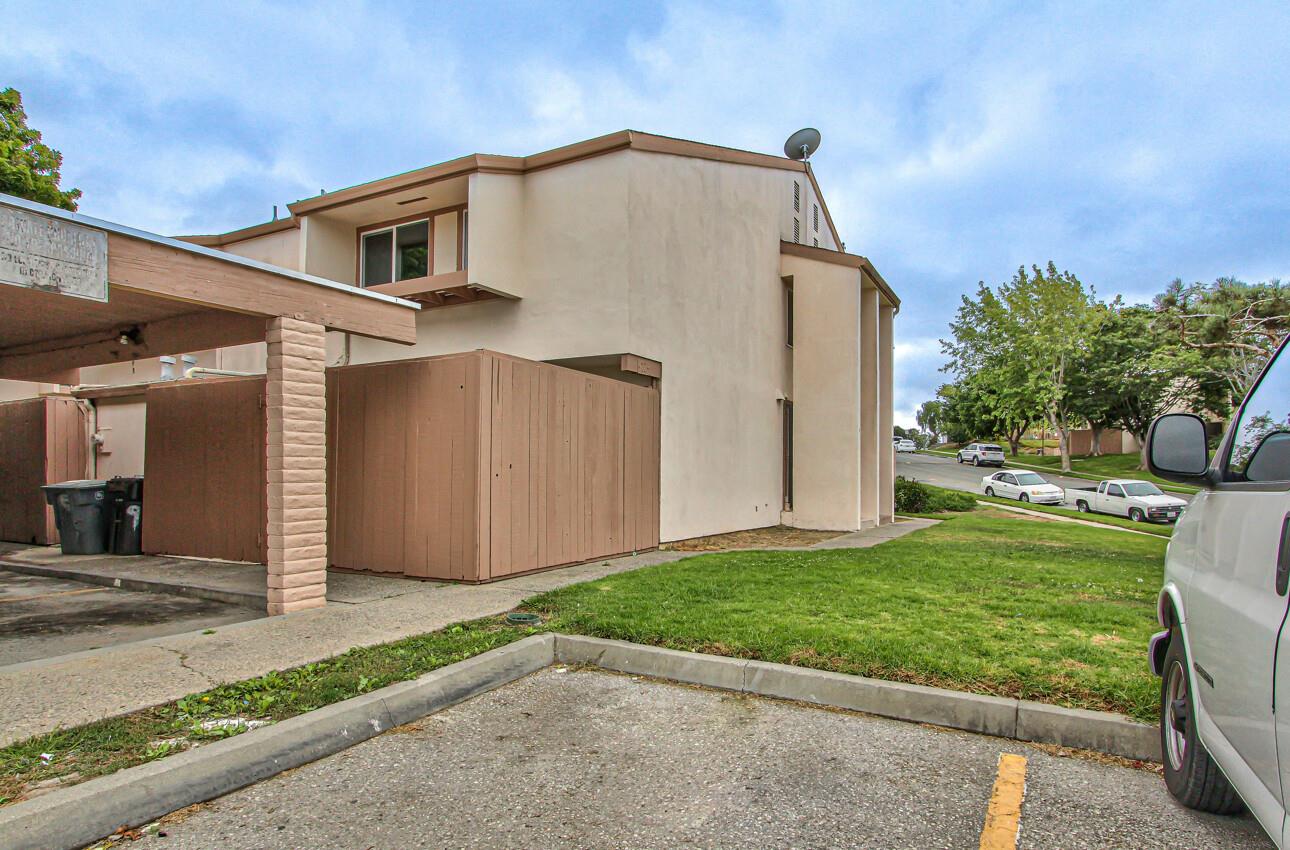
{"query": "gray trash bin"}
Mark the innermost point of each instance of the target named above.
(80, 514)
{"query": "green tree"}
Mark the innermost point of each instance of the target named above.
(1026, 339)
(1236, 326)
(930, 418)
(28, 167)
(1137, 370)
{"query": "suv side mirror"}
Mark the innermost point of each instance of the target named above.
(1178, 449)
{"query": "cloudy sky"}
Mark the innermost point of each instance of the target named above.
(1130, 142)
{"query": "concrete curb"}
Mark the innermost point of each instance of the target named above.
(1006, 718)
(84, 813)
(76, 816)
(233, 597)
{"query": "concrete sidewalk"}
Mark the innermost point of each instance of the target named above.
(73, 689)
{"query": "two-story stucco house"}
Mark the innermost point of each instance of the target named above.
(721, 267)
(712, 276)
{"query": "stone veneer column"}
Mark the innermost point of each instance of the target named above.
(297, 465)
(887, 469)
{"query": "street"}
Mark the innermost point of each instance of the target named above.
(946, 472)
(577, 759)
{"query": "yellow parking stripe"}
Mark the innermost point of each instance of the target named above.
(1003, 816)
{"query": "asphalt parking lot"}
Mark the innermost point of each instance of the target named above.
(44, 617)
(571, 759)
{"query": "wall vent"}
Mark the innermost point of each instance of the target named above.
(797, 231)
(815, 216)
(797, 196)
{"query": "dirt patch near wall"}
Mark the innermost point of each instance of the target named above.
(754, 538)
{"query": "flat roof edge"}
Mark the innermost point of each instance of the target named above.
(193, 248)
(841, 258)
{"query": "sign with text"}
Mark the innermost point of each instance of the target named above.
(52, 255)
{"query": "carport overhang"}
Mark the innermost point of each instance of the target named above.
(150, 296)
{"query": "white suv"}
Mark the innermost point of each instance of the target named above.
(1224, 656)
(981, 454)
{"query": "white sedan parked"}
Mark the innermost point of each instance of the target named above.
(906, 445)
(1026, 486)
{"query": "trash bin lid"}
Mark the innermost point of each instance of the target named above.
(80, 484)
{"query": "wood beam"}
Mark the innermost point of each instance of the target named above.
(196, 331)
(172, 273)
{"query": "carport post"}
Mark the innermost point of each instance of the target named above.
(297, 465)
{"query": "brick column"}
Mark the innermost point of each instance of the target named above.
(297, 466)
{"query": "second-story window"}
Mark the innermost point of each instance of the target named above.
(396, 253)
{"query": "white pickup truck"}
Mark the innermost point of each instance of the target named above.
(1140, 501)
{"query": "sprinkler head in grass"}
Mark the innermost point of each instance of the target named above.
(519, 618)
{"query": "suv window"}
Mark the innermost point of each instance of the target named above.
(1261, 445)
(990, 448)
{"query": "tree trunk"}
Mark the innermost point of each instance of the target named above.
(1096, 448)
(1063, 438)
(1142, 448)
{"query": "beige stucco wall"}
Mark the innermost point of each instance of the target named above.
(672, 258)
(569, 258)
(706, 299)
(280, 249)
(826, 394)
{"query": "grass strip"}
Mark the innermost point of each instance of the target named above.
(1102, 519)
(94, 749)
(984, 602)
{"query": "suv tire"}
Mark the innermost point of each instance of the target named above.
(1191, 775)
(959, 457)
(976, 460)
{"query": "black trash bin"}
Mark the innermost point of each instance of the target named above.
(79, 513)
(125, 515)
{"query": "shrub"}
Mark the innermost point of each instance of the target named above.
(913, 497)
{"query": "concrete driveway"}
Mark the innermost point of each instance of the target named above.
(946, 472)
(44, 617)
(570, 759)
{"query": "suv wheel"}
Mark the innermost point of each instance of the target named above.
(1190, 774)
(959, 456)
(1136, 514)
(976, 460)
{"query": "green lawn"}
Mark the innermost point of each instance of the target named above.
(981, 602)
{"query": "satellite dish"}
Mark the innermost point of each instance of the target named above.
(802, 144)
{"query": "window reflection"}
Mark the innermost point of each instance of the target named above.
(1261, 447)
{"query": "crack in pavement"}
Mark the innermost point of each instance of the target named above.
(183, 662)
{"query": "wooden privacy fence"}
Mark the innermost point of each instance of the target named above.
(468, 467)
(204, 471)
(42, 441)
(478, 466)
